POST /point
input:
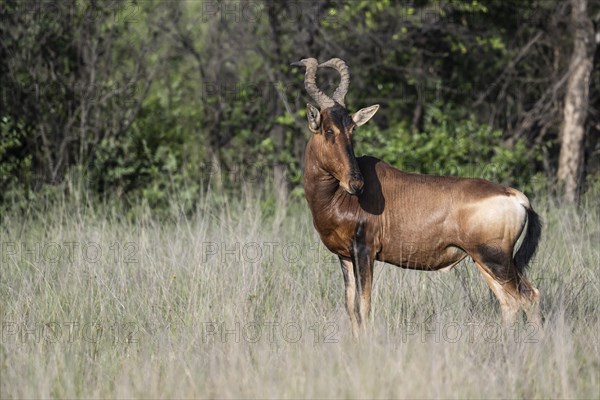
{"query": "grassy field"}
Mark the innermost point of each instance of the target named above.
(235, 302)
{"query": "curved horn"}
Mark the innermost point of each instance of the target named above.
(310, 82)
(342, 68)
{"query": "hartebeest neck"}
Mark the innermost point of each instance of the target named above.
(335, 212)
(321, 188)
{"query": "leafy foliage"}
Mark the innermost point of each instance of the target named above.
(16, 180)
(139, 98)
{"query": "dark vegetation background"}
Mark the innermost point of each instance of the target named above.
(140, 101)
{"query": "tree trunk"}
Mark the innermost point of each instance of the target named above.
(570, 165)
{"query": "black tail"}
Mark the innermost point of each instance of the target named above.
(530, 241)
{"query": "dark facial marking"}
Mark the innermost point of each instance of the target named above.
(337, 116)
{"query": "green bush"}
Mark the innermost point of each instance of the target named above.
(154, 161)
(16, 177)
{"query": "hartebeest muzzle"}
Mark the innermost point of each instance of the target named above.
(355, 184)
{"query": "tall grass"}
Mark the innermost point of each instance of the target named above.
(236, 302)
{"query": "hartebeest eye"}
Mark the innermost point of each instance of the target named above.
(329, 132)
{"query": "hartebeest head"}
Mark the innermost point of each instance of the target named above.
(332, 125)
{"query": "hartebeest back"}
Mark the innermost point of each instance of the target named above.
(366, 210)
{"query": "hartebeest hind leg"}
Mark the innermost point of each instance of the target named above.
(505, 291)
(530, 301)
(509, 285)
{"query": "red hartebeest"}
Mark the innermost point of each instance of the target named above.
(367, 210)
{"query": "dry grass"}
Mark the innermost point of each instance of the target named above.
(231, 303)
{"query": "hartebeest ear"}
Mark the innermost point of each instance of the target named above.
(314, 117)
(363, 115)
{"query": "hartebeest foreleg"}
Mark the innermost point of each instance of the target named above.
(358, 280)
(363, 258)
(366, 275)
(352, 302)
